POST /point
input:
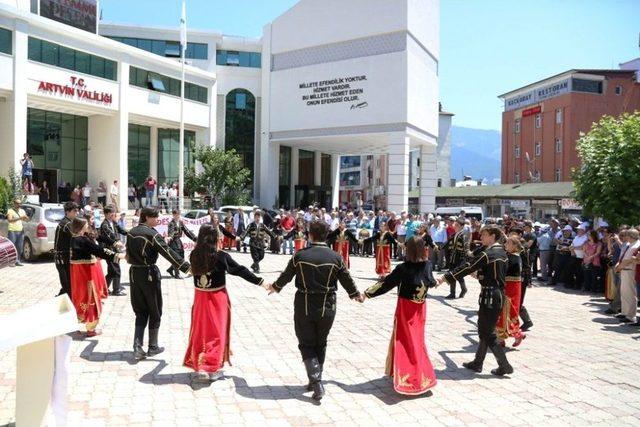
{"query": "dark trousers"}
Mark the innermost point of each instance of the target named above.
(313, 317)
(257, 254)
(64, 273)
(452, 286)
(524, 314)
(533, 261)
(113, 276)
(176, 245)
(487, 317)
(146, 296)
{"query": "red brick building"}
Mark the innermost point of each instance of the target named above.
(543, 120)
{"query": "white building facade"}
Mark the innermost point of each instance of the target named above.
(102, 103)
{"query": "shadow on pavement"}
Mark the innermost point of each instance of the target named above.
(90, 355)
(381, 388)
(270, 392)
(155, 377)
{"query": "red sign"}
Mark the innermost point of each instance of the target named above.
(77, 89)
(531, 111)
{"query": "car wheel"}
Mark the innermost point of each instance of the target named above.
(27, 251)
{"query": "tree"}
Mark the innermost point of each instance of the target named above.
(222, 178)
(610, 170)
(10, 189)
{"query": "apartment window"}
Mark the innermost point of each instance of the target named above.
(538, 149)
(583, 85)
(559, 115)
(5, 41)
(558, 145)
(538, 121)
(234, 58)
(558, 176)
(516, 178)
(71, 59)
(517, 151)
(517, 127)
(439, 182)
(161, 83)
(618, 90)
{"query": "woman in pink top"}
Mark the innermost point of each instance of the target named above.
(591, 266)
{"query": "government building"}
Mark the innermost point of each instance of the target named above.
(96, 101)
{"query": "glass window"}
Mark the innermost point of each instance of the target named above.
(306, 167)
(83, 62)
(349, 161)
(130, 41)
(157, 47)
(325, 170)
(238, 59)
(200, 51)
(35, 49)
(190, 52)
(583, 85)
(145, 44)
(618, 90)
(558, 176)
(110, 70)
(241, 101)
(139, 153)
(67, 126)
(256, 60)
(97, 66)
(538, 121)
(517, 151)
(559, 115)
(168, 153)
(67, 58)
(5, 41)
(350, 178)
(233, 58)
(172, 49)
(240, 127)
(517, 126)
(558, 145)
(538, 149)
(221, 57)
(156, 83)
(516, 177)
(49, 53)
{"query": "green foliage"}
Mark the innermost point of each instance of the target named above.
(610, 174)
(223, 178)
(10, 189)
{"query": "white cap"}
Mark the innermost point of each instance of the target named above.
(438, 217)
(567, 228)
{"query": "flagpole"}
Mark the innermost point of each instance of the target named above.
(183, 48)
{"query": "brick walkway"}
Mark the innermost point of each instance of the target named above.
(576, 367)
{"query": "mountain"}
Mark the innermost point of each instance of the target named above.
(476, 152)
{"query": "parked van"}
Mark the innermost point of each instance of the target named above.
(470, 211)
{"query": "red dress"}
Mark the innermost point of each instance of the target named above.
(209, 338)
(408, 360)
(383, 253)
(508, 324)
(229, 241)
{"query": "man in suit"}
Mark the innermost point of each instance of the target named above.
(109, 236)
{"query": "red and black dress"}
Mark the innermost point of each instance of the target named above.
(299, 236)
(224, 236)
(340, 241)
(87, 279)
(208, 347)
(508, 324)
(383, 242)
(408, 359)
(229, 242)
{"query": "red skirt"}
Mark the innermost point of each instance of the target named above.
(508, 324)
(87, 282)
(383, 260)
(228, 241)
(299, 244)
(343, 249)
(408, 360)
(208, 347)
(104, 291)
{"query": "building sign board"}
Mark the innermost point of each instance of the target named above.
(514, 203)
(538, 95)
(569, 204)
(77, 89)
(77, 13)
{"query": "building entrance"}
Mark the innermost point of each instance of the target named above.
(307, 195)
(48, 177)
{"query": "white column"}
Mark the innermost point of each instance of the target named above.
(18, 117)
(335, 180)
(428, 178)
(153, 153)
(398, 173)
(295, 171)
(317, 168)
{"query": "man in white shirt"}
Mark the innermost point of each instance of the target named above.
(113, 193)
(438, 233)
(86, 193)
(577, 249)
(335, 221)
(627, 268)
(240, 223)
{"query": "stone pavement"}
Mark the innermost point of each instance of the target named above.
(576, 367)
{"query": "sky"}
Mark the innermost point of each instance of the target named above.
(487, 47)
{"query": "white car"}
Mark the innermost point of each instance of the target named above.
(39, 230)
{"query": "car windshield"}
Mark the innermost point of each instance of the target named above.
(54, 215)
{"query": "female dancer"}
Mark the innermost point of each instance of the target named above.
(340, 240)
(299, 234)
(508, 324)
(408, 361)
(92, 233)
(229, 242)
(87, 279)
(223, 233)
(208, 347)
(383, 241)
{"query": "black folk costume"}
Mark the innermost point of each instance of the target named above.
(458, 248)
(108, 235)
(257, 233)
(342, 241)
(144, 245)
(317, 269)
(175, 231)
(491, 265)
(62, 249)
(525, 283)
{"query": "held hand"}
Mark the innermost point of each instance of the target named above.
(440, 281)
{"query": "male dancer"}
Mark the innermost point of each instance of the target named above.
(257, 232)
(175, 230)
(491, 265)
(144, 244)
(458, 247)
(526, 276)
(317, 270)
(109, 236)
(62, 247)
